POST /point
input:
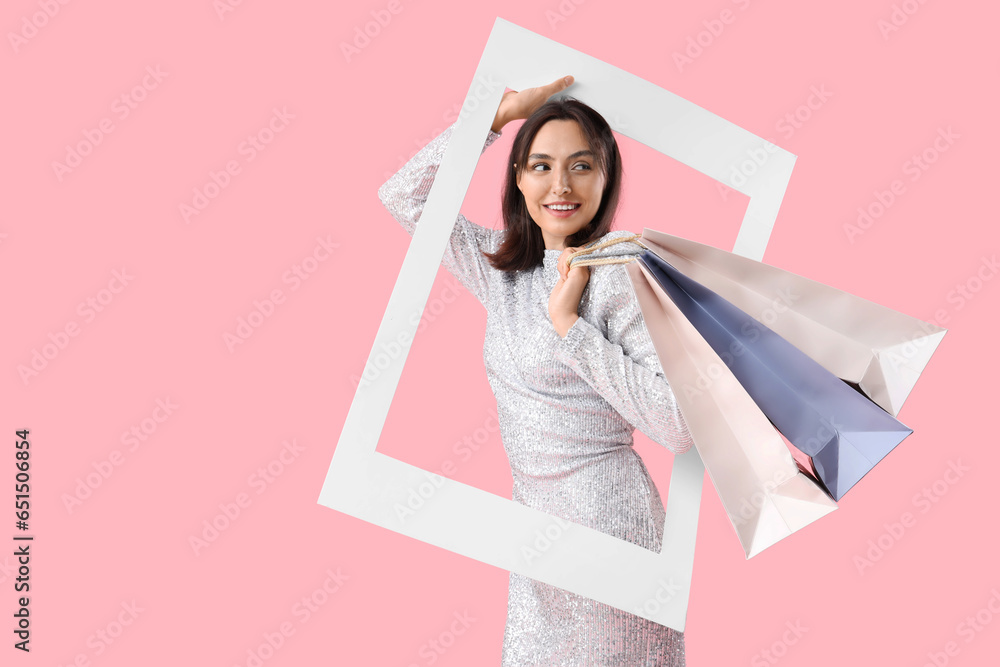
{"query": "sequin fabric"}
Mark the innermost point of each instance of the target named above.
(567, 410)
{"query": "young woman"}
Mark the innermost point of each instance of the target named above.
(569, 360)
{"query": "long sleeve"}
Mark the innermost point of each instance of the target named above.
(405, 194)
(623, 367)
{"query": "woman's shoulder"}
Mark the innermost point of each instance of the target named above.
(615, 244)
(611, 285)
(614, 249)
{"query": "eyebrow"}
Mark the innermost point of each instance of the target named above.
(543, 156)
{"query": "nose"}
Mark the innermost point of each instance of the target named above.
(560, 183)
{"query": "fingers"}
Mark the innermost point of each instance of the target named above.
(564, 261)
(580, 274)
(564, 82)
(559, 84)
(568, 272)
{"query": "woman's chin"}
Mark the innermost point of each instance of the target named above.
(565, 226)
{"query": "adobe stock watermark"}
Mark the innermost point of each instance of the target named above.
(791, 122)
(59, 340)
(544, 538)
(484, 88)
(779, 648)
(749, 508)
(263, 309)
(666, 590)
(914, 166)
(966, 291)
(366, 33)
(103, 469)
(563, 11)
(959, 296)
(32, 23)
(121, 108)
(302, 610)
(923, 501)
(705, 38)
(435, 307)
(248, 149)
(230, 511)
(7, 569)
(224, 7)
(750, 332)
(104, 637)
(967, 630)
(756, 158)
(464, 449)
(435, 647)
(898, 17)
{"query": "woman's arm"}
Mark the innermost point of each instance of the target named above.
(405, 194)
(623, 367)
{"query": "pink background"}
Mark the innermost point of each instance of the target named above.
(160, 337)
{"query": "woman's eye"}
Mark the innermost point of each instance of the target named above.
(535, 167)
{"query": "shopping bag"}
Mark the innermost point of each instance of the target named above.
(766, 496)
(879, 350)
(842, 432)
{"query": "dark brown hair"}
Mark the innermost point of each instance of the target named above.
(523, 246)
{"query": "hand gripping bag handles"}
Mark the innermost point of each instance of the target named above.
(765, 494)
(843, 432)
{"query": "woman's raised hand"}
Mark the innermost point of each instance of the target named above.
(518, 105)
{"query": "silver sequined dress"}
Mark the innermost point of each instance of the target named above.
(567, 408)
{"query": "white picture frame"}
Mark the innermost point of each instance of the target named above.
(371, 486)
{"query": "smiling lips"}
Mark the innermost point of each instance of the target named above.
(563, 208)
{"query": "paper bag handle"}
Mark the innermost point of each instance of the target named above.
(619, 259)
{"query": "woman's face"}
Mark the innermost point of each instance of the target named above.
(561, 169)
